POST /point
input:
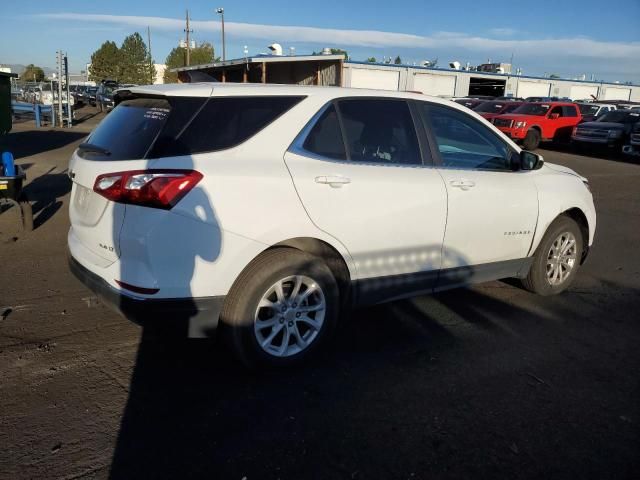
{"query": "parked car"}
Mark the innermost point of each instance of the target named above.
(532, 123)
(633, 148)
(612, 130)
(470, 103)
(79, 94)
(268, 209)
(491, 110)
(591, 111)
(547, 99)
(104, 95)
(91, 95)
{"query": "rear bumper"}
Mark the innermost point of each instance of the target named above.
(195, 317)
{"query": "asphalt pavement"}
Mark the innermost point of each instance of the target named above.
(486, 382)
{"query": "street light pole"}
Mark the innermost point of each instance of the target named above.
(224, 48)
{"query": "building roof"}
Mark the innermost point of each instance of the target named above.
(261, 59)
(7, 74)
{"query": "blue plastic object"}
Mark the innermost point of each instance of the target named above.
(8, 165)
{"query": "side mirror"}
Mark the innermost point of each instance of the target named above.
(530, 160)
(554, 116)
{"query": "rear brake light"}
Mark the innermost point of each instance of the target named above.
(147, 188)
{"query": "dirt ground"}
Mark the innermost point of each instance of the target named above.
(487, 382)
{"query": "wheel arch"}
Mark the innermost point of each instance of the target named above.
(328, 253)
(577, 215)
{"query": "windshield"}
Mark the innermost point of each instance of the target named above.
(533, 109)
(620, 117)
(588, 109)
(490, 107)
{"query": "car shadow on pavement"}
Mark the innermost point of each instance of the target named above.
(389, 398)
(32, 142)
(45, 194)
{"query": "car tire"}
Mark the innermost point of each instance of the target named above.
(269, 326)
(556, 263)
(531, 140)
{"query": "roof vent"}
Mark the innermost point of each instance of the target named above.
(276, 49)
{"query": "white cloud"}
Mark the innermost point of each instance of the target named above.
(538, 48)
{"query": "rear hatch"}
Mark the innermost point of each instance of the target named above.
(121, 142)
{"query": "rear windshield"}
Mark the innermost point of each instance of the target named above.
(129, 130)
(586, 109)
(532, 109)
(162, 127)
(490, 107)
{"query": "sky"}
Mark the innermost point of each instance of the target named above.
(564, 37)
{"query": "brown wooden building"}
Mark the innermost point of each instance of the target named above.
(299, 69)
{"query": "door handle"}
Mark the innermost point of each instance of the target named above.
(462, 184)
(335, 181)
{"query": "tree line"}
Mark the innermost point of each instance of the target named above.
(132, 62)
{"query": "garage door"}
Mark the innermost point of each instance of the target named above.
(380, 79)
(436, 85)
(616, 93)
(528, 88)
(581, 92)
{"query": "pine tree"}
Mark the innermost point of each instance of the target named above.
(105, 63)
(136, 64)
(178, 58)
(398, 60)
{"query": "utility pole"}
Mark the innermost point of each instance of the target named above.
(66, 79)
(224, 47)
(188, 31)
(150, 56)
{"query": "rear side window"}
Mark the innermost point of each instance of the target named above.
(128, 132)
(569, 111)
(380, 130)
(325, 138)
(226, 122)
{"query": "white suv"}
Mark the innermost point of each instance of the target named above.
(265, 209)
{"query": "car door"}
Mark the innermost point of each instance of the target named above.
(492, 209)
(359, 172)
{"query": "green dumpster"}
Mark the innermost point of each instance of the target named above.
(5, 102)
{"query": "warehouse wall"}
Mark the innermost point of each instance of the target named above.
(422, 79)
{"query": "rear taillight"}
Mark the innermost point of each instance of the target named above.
(147, 188)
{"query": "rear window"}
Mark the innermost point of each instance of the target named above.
(128, 132)
(226, 122)
(160, 127)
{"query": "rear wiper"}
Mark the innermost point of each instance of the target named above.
(90, 147)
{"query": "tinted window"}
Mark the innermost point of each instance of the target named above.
(620, 116)
(129, 131)
(586, 109)
(325, 138)
(490, 107)
(464, 142)
(556, 111)
(226, 122)
(379, 130)
(569, 111)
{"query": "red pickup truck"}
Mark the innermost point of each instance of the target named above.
(532, 123)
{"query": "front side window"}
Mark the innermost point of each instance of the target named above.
(464, 142)
(379, 130)
(569, 111)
